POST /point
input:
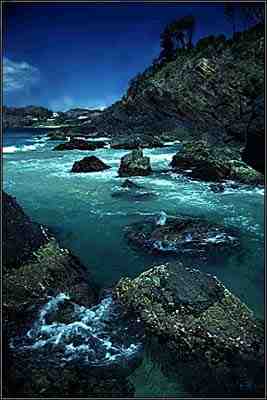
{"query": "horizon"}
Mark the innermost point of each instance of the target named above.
(88, 57)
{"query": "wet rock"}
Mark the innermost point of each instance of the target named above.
(179, 235)
(197, 159)
(217, 188)
(130, 184)
(138, 142)
(21, 236)
(203, 161)
(57, 135)
(131, 195)
(198, 329)
(76, 144)
(135, 164)
(243, 173)
(89, 164)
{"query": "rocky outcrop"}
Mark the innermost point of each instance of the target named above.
(89, 164)
(131, 143)
(180, 235)
(80, 144)
(130, 184)
(21, 236)
(135, 164)
(197, 329)
(203, 161)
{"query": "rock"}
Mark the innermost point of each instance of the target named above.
(254, 151)
(89, 164)
(130, 184)
(57, 135)
(181, 234)
(197, 329)
(206, 162)
(217, 188)
(197, 159)
(21, 236)
(38, 279)
(133, 195)
(243, 173)
(76, 144)
(138, 142)
(135, 164)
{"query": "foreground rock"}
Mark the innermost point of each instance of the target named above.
(35, 281)
(205, 162)
(130, 184)
(135, 164)
(198, 330)
(89, 164)
(80, 144)
(21, 236)
(180, 235)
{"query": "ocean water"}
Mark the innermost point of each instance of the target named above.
(80, 210)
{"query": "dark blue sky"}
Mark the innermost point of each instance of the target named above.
(81, 54)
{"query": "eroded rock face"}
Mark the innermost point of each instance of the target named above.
(21, 236)
(89, 164)
(196, 327)
(135, 164)
(180, 235)
(202, 161)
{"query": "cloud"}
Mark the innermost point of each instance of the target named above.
(18, 76)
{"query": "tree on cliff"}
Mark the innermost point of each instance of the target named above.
(183, 30)
(167, 45)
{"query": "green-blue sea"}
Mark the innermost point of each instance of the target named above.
(80, 211)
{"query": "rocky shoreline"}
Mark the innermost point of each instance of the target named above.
(190, 313)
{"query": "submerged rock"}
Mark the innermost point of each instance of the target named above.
(21, 236)
(196, 328)
(89, 164)
(181, 234)
(131, 195)
(130, 184)
(135, 164)
(217, 188)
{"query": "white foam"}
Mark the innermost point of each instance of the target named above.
(15, 149)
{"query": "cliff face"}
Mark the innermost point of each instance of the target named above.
(213, 89)
(19, 117)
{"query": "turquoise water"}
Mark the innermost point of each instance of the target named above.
(80, 210)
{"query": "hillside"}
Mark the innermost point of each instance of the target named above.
(215, 91)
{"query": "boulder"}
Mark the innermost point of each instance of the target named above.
(135, 164)
(137, 142)
(89, 164)
(211, 163)
(76, 144)
(21, 236)
(180, 235)
(197, 330)
(131, 195)
(197, 160)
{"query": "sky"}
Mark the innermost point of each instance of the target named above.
(67, 55)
